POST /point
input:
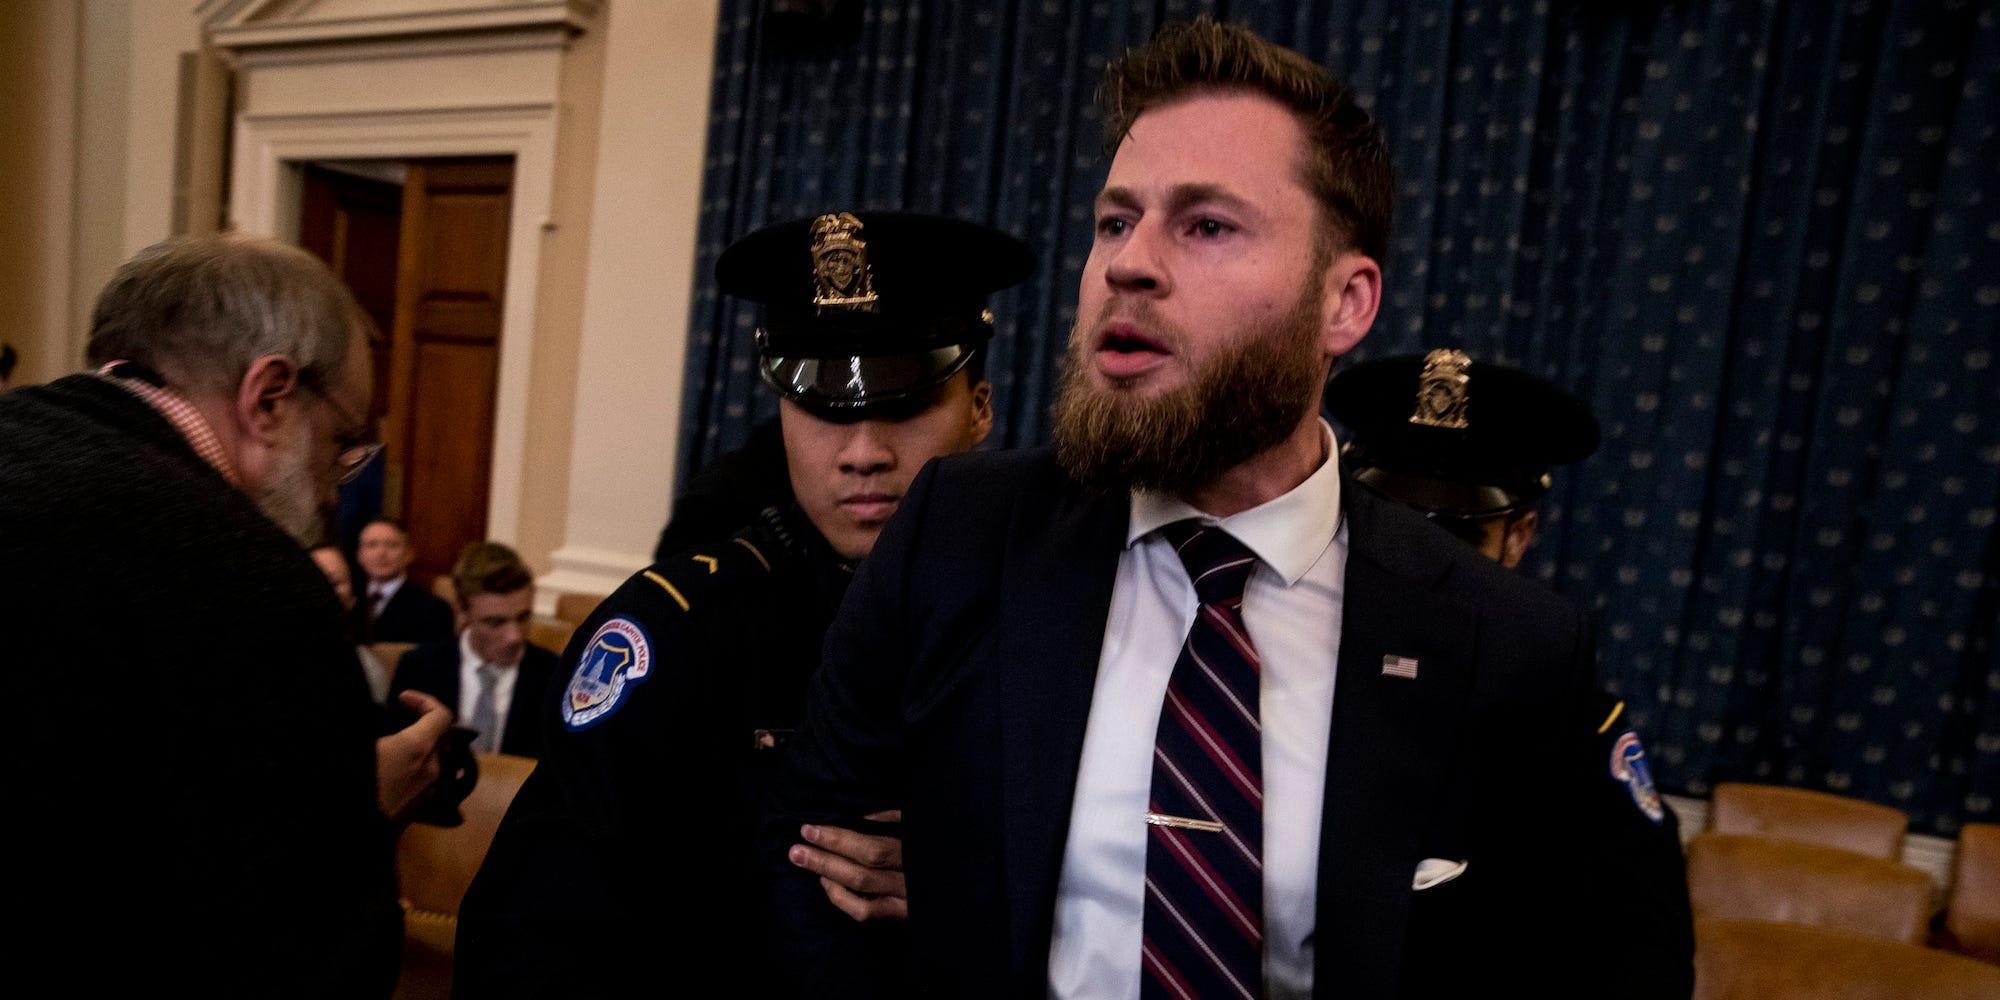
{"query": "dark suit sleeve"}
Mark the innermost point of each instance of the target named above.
(439, 622)
(431, 668)
(846, 760)
(404, 677)
(525, 736)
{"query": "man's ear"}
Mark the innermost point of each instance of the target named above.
(1519, 535)
(1352, 294)
(271, 382)
(982, 413)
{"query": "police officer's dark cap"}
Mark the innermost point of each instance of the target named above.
(867, 308)
(1455, 438)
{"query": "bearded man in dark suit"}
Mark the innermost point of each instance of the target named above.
(1176, 710)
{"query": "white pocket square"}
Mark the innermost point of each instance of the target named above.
(1436, 871)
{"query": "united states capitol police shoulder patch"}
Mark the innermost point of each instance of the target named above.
(1628, 765)
(617, 658)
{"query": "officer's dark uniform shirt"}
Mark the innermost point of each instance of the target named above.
(627, 858)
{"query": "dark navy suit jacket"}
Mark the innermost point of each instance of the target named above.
(433, 669)
(413, 614)
(957, 684)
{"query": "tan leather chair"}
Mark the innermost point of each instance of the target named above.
(574, 608)
(443, 586)
(1972, 915)
(435, 866)
(1748, 960)
(1734, 877)
(551, 635)
(1813, 817)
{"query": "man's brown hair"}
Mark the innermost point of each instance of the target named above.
(1346, 164)
(488, 568)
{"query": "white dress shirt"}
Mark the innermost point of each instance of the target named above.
(380, 593)
(469, 683)
(1292, 609)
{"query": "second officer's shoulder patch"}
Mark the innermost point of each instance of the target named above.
(1628, 765)
(618, 656)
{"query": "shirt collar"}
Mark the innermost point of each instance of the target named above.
(1287, 533)
(140, 382)
(470, 659)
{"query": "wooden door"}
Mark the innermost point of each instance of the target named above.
(445, 355)
(355, 224)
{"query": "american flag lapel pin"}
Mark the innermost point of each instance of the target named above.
(1400, 666)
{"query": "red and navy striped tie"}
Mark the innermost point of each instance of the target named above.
(1204, 924)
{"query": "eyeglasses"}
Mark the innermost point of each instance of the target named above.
(358, 443)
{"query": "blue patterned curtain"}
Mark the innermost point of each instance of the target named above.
(1761, 239)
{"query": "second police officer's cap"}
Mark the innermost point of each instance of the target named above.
(1455, 438)
(867, 308)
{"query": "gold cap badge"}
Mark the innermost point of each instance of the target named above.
(1441, 390)
(840, 264)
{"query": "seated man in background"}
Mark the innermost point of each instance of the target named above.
(491, 675)
(392, 611)
(683, 687)
(207, 783)
(334, 566)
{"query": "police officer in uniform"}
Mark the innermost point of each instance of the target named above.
(1469, 445)
(628, 856)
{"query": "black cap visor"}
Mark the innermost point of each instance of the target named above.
(851, 386)
(1445, 498)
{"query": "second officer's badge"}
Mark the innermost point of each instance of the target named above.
(840, 264)
(1441, 390)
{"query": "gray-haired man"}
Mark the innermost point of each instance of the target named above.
(200, 754)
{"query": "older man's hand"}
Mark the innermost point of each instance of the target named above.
(406, 761)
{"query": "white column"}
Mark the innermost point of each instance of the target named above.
(657, 67)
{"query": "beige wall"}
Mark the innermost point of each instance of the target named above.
(39, 49)
(88, 111)
(639, 290)
(559, 305)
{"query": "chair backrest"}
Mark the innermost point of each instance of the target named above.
(435, 864)
(551, 635)
(574, 608)
(1809, 816)
(1972, 916)
(1733, 877)
(390, 652)
(1748, 960)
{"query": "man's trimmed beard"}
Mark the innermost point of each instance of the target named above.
(1251, 398)
(292, 497)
